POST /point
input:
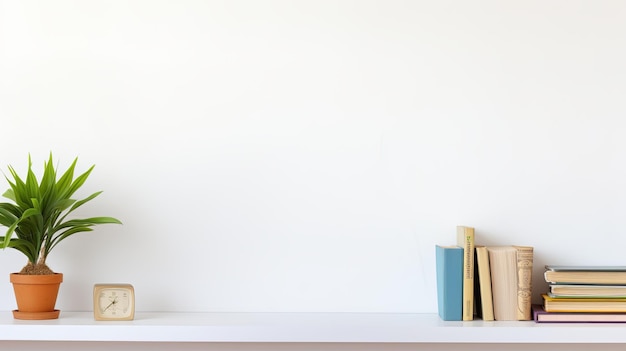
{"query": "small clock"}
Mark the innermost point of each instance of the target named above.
(113, 302)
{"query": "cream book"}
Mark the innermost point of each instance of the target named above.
(465, 239)
(586, 290)
(600, 275)
(511, 281)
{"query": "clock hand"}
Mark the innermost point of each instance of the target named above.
(111, 304)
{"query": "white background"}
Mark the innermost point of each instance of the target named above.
(308, 155)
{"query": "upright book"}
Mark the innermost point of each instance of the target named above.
(449, 263)
(525, 256)
(511, 281)
(484, 297)
(601, 275)
(465, 239)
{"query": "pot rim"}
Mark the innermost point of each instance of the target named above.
(17, 278)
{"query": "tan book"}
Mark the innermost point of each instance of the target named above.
(484, 297)
(465, 239)
(511, 281)
(524, 282)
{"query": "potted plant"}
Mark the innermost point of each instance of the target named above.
(37, 221)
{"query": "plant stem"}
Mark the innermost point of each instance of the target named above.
(42, 256)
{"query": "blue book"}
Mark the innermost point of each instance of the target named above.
(449, 261)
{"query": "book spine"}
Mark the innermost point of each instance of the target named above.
(465, 239)
(449, 262)
(524, 282)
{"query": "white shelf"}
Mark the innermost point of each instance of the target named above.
(301, 328)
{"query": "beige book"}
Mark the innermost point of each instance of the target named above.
(524, 282)
(511, 281)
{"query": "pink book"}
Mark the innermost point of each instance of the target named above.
(541, 316)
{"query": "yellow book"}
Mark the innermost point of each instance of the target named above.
(485, 296)
(551, 304)
(465, 239)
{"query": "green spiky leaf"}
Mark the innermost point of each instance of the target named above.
(37, 220)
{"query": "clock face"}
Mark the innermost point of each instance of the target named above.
(114, 302)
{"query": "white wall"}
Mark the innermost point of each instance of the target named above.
(308, 155)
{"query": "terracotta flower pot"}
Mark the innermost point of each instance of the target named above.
(36, 295)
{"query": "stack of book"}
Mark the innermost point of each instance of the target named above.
(583, 294)
(486, 282)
